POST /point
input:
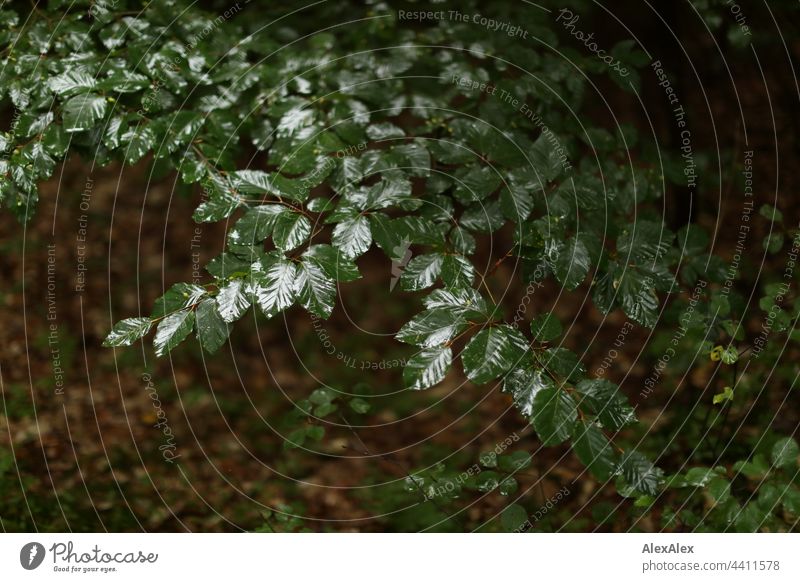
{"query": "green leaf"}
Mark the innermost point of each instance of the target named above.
(492, 352)
(516, 461)
(462, 241)
(394, 236)
(457, 271)
(333, 262)
(325, 410)
(508, 486)
(295, 439)
(644, 240)
(427, 368)
(791, 500)
(724, 396)
(571, 263)
(513, 518)
(388, 236)
(483, 217)
(315, 289)
(719, 489)
(421, 272)
(770, 212)
(692, 240)
(516, 203)
(291, 230)
(123, 81)
(228, 264)
(546, 158)
(128, 331)
(212, 329)
(562, 362)
(640, 473)
(750, 519)
(233, 300)
(773, 242)
(785, 453)
(488, 459)
(546, 327)
(275, 287)
(315, 433)
(432, 328)
(321, 204)
(387, 192)
(384, 131)
(699, 476)
(179, 296)
(554, 416)
(221, 204)
(112, 138)
(524, 384)
(258, 182)
(730, 355)
(476, 184)
(252, 182)
(256, 224)
(172, 330)
(71, 82)
(81, 112)
(603, 398)
(138, 141)
(594, 450)
(289, 188)
(322, 396)
(416, 159)
(360, 406)
(466, 299)
(353, 236)
(639, 300)
(485, 481)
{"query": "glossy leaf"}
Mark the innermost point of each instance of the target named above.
(128, 331)
(554, 416)
(427, 368)
(172, 330)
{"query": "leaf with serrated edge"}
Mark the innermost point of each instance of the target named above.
(572, 263)
(233, 300)
(212, 329)
(128, 331)
(457, 271)
(594, 450)
(465, 297)
(275, 286)
(83, 111)
(640, 473)
(554, 416)
(432, 328)
(256, 224)
(353, 236)
(333, 262)
(421, 272)
(316, 291)
(172, 330)
(427, 368)
(291, 230)
(491, 353)
(524, 384)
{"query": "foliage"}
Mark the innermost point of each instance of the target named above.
(318, 155)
